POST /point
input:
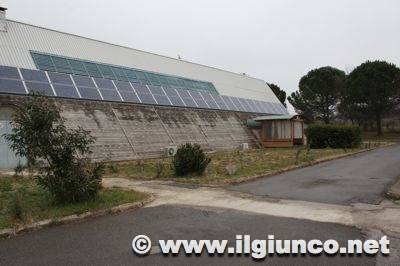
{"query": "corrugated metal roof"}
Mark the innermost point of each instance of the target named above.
(21, 38)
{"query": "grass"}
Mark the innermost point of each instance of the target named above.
(22, 201)
(248, 163)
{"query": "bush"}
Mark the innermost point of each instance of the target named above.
(75, 181)
(333, 136)
(39, 134)
(190, 158)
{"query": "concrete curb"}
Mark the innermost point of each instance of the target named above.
(11, 232)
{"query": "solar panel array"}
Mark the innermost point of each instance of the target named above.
(22, 81)
(61, 64)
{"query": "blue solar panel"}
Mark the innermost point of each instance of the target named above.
(34, 75)
(187, 98)
(262, 107)
(129, 96)
(60, 78)
(9, 72)
(201, 103)
(198, 99)
(229, 103)
(220, 102)
(212, 105)
(258, 106)
(146, 98)
(266, 107)
(209, 100)
(89, 93)
(196, 95)
(156, 90)
(189, 102)
(150, 94)
(110, 95)
(255, 106)
(142, 89)
(184, 94)
(236, 102)
(12, 86)
(207, 96)
(123, 86)
(65, 91)
(162, 100)
(176, 101)
(104, 83)
(251, 105)
(245, 105)
(82, 81)
(44, 88)
(171, 92)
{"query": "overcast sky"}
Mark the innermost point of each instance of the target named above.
(278, 41)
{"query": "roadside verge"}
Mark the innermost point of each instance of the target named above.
(10, 232)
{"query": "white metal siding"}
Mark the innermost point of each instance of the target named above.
(20, 38)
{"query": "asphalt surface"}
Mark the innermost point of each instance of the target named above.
(107, 240)
(359, 178)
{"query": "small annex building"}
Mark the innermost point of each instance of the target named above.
(281, 130)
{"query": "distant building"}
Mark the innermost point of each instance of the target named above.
(280, 131)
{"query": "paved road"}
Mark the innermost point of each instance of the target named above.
(359, 178)
(107, 240)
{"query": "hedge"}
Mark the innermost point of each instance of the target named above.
(333, 136)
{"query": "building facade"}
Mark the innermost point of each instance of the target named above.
(170, 101)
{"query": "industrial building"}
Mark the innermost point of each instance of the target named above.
(136, 103)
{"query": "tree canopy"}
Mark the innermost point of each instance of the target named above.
(318, 94)
(372, 90)
(280, 94)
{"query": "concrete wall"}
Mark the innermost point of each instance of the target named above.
(130, 131)
(20, 38)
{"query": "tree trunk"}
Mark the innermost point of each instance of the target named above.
(379, 124)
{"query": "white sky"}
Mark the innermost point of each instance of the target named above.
(278, 41)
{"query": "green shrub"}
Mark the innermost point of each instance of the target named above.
(190, 158)
(333, 136)
(76, 181)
